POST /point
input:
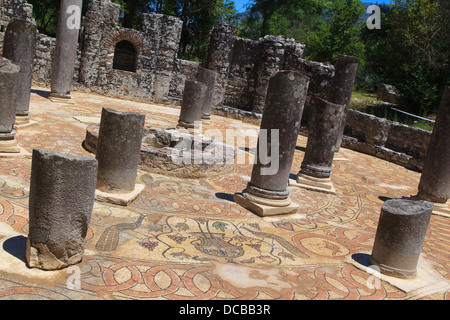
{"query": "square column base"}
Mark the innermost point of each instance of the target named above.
(263, 210)
(314, 184)
(23, 122)
(442, 209)
(9, 146)
(123, 199)
(56, 98)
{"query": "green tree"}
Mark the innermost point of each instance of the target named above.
(417, 52)
(339, 32)
(280, 17)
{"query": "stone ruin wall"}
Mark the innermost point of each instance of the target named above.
(10, 9)
(244, 68)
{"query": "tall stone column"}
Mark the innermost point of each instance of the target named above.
(270, 60)
(168, 48)
(9, 75)
(219, 55)
(19, 46)
(118, 152)
(434, 185)
(62, 191)
(63, 67)
(191, 106)
(315, 172)
(267, 192)
(208, 77)
(342, 87)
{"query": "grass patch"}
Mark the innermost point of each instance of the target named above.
(368, 103)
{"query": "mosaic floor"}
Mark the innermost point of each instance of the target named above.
(187, 239)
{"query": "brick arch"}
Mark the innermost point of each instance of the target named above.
(131, 35)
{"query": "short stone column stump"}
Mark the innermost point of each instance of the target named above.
(399, 238)
(192, 104)
(118, 147)
(62, 191)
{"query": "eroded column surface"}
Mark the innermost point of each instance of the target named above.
(434, 182)
(192, 104)
(63, 67)
(399, 237)
(19, 46)
(267, 192)
(62, 192)
(315, 172)
(9, 74)
(342, 87)
(208, 77)
(118, 148)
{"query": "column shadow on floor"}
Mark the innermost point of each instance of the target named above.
(44, 94)
(16, 246)
(225, 196)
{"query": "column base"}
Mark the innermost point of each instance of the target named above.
(264, 207)
(311, 183)
(123, 199)
(60, 98)
(23, 121)
(441, 209)
(393, 272)
(9, 146)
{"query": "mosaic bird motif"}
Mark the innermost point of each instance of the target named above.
(109, 239)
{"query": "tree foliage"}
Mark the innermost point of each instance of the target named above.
(411, 51)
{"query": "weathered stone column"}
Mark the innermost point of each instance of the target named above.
(62, 190)
(170, 29)
(63, 67)
(192, 104)
(9, 75)
(315, 172)
(208, 77)
(399, 238)
(118, 149)
(342, 87)
(19, 46)
(270, 60)
(219, 56)
(267, 192)
(434, 182)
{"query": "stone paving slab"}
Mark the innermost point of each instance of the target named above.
(186, 239)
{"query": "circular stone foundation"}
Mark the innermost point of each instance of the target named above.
(176, 153)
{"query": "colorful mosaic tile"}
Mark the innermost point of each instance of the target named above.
(186, 239)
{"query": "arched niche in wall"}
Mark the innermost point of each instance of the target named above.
(125, 56)
(124, 47)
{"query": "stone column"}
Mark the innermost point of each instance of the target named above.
(399, 238)
(208, 77)
(315, 172)
(9, 75)
(118, 152)
(434, 182)
(170, 34)
(342, 87)
(270, 60)
(19, 46)
(191, 106)
(63, 67)
(62, 191)
(219, 56)
(267, 192)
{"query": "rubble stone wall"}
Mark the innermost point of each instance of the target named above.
(392, 141)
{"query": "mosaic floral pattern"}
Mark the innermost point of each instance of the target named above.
(187, 239)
